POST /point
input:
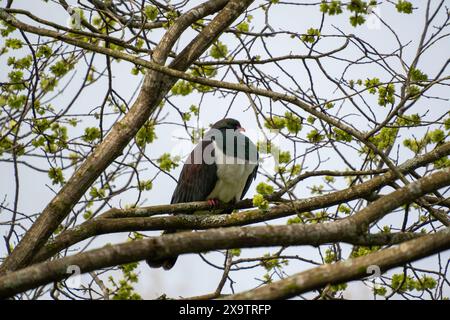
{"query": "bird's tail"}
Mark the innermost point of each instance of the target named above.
(165, 263)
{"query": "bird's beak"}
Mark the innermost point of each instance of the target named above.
(240, 129)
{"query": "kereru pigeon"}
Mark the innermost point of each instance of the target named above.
(220, 168)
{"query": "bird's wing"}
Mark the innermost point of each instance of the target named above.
(198, 178)
(251, 154)
(250, 179)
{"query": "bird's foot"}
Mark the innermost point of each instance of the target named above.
(213, 202)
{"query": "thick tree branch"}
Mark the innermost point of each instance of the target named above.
(351, 269)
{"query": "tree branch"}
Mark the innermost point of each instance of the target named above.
(351, 269)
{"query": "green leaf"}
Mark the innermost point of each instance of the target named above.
(151, 12)
(90, 134)
(270, 264)
(13, 43)
(218, 50)
(311, 119)
(357, 20)
(362, 251)
(292, 122)
(260, 202)
(314, 136)
(436, 136)
(194, 109)
(235, 252)
(404, 7)
(44, 51)
(386, 95)
(56, 175)
(204, 71)
(182, 88)
(311, 35)
(97, 193)
(401, 283)
(243, 27)
(284, 157)
(344, 209)
(17, 101)
(87, 215)
(417, 75)
(341, 135)
(275, 123)
(61, 68)
(15, 76)
(264, 188)
(146, 134)
(372, 84)
(166, 162)
(330, 256)
(145, 185)
(332, 8)
(447, 124)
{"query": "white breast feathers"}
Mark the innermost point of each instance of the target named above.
(232, 174)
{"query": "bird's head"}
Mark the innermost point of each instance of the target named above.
(228, 123)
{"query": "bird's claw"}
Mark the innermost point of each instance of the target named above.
(213, 202)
